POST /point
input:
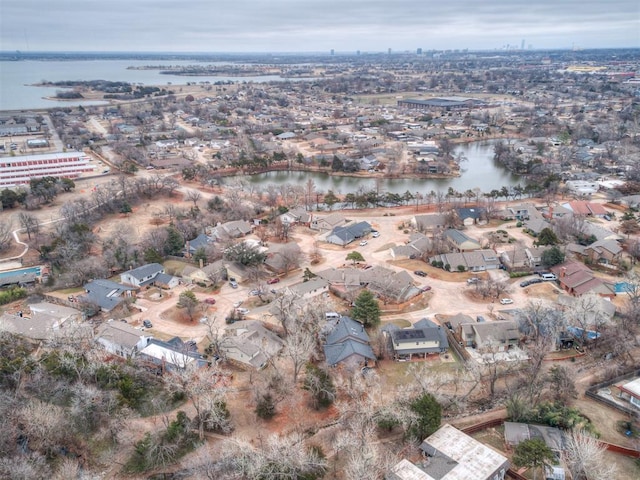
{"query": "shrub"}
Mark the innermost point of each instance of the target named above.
(266, 407)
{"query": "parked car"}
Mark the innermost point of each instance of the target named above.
(255, 293)
(526, 283)
(471, 281)
(271, 281)
(426, 288)
(147, 324)
(506, 301)
(242, 311)
(233, 283)
(375, 234)
(237, 304)
(420, 273)
(363, 243)
(210, 301)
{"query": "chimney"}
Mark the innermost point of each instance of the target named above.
(563, 272)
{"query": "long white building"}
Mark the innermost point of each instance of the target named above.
(20, 170)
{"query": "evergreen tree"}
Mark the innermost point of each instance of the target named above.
(366, 309)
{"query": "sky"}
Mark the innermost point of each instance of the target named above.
(315, 25)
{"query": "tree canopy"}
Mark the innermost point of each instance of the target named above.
(552, 256)
(355, 257)
(427, 416)
(366, 309)
(533, 453)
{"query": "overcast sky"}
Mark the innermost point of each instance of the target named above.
(314, 25)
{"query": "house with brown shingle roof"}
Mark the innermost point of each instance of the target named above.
(578, 279)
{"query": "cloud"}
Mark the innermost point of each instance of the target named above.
(308, 25)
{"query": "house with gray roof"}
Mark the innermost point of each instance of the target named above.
(502, 334)
(296, 216)
(173, 354)
(328, 222)
(233, 229)
(418, 245)
(515, 432)
(429, 223)
(475, 261)
(348, 343)
(192, 246)
(344, 235)
(249, 344)
(460, 241)
(422, 339)
(106, 294)
(472, 216)
(452, 455)
(142, 276)
(121, 339)
(44, 322)
(309, 289)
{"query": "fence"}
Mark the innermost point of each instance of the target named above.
(460, 350)
(591, 392)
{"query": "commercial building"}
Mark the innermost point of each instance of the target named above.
(20, 170)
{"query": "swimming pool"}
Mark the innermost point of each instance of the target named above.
(33, 270)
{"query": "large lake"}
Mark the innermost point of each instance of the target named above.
(17, 78)
(480, 170)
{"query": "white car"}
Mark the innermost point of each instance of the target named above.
(363, 243)
(375, 234)
(242, 311)
(506, 301)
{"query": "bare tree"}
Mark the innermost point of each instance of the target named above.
(585, 458)
(193, 196)
(29, 223)
(5, 235)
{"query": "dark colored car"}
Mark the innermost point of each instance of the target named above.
(426, 288)
(210, 301)
(420, 273)
(147, 323)
(271, 281)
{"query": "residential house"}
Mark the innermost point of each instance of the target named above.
(453, 323)
(282, 258)
(348, 343)
(422, 339)
(453, 455)
(586, 209)
(390, 286)
(472, 216)
(418, 246)
(429, 223)
(502, 334)
(44, 322)
(514, 259)
(296, 216)
(521, 212)
(460, 241)
(192, 246)
(631, 392)
(250, 344)
(141, 276)
(121, 339)
(229, 230)
(534, 256)
(328, 222)
(515, 433)
(309, 289)
(604, 251)
(578, 279)
(106, 294)
(476, 261)
(173, 354)
(209, 274)
(344, 235)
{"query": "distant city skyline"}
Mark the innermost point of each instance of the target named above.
(315, 25)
